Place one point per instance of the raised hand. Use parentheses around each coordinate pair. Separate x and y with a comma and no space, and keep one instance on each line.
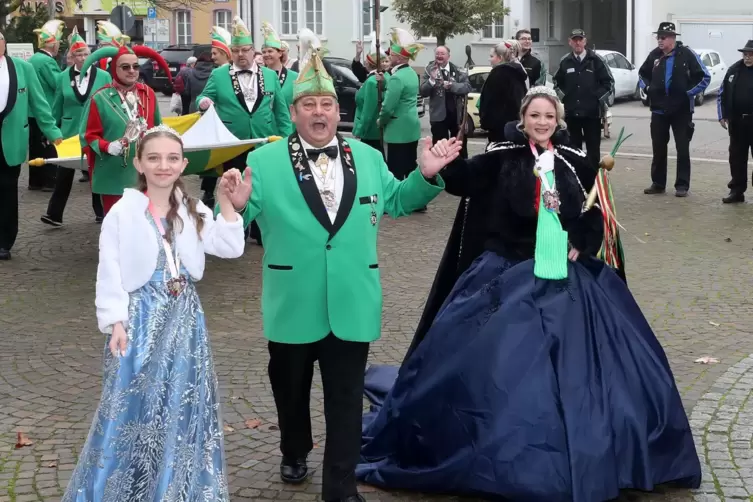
(434,158)
(237,189)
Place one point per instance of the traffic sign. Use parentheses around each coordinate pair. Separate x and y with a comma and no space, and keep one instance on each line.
(122,17)
(151,13)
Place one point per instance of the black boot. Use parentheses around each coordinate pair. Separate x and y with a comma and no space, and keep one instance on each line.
(654,189)
(294,471)
(734,197)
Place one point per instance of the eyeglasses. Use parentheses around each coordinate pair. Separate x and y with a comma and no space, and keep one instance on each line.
(129,67)
(525,39)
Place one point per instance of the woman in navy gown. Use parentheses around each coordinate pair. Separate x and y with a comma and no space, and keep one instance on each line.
(538,378)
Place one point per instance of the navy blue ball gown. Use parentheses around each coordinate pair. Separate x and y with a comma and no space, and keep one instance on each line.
(524,388)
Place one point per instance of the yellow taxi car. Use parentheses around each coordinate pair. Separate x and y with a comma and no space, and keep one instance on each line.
(476,77)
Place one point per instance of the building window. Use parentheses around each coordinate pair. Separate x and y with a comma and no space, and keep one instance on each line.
(223,19)
(314,16)
(495,30)
(289,17)
(367,18)
(183,23)
(551,20)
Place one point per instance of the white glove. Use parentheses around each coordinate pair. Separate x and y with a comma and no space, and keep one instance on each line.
(205,103)
(115,148)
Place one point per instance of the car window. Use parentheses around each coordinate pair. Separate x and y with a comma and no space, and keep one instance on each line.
(706,60)
(621,61)
(477,81)
(714,58)
(176,55)
(609,59)
(345,75)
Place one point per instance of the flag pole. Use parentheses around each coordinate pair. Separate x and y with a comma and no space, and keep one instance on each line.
(380,84)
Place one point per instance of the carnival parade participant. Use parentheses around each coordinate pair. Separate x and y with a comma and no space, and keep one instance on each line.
(365,126)
(72,92)
(158,365)
(248,99)
(548,380)
(47,69)
(115,117)
(399,115)
(15,109)
(221,40)
(318,199)
(272,50)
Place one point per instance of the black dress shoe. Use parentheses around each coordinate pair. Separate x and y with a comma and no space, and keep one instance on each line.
(294,471)
(48,220)
(4,254)
(654,189)
(84,177)
(681,192)
(350,498)
(733,198)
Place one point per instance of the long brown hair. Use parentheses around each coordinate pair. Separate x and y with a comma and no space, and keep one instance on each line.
(172,214)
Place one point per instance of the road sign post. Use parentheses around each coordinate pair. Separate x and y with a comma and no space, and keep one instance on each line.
(122,17)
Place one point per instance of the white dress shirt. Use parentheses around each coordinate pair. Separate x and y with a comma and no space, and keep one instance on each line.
(248,83)
(83,84)
(333,180)
(4,83)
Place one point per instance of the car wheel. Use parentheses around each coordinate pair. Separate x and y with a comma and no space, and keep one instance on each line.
(637,94)
(470,127)
(699,99)
(610,100)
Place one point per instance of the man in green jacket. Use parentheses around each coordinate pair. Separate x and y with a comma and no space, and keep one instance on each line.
(21,96)
(47,69)
(248,98)
(318,199)
(365,126)
(399,114)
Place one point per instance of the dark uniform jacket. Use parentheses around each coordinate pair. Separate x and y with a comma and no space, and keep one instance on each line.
(672,80)
(585,84)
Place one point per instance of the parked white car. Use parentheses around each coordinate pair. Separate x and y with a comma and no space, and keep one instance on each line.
(717,69)
(625,75)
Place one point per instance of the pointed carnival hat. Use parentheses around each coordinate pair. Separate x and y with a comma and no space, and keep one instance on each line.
(284,45)
(403,43)
(371,57)
(313,79)
(221,39)
(241,35)
(108,33)
(271,39)
(114,53)
(50,32)
(75,42)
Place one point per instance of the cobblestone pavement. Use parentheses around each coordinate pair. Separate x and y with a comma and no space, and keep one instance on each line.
(692,277)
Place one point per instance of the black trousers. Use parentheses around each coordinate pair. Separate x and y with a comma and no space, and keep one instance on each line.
(59,199)
(680,123)
(447,129)
(376,144)
(740,142)
(8,202)
(40,148)
(401,158)
(586,130)
(342,365)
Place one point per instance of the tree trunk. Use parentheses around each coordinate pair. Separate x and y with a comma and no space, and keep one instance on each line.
(441,38)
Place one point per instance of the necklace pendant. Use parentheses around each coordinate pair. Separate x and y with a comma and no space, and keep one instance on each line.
(176,286)
(551,200)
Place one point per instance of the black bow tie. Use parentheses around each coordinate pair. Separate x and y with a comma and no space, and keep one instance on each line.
(241,72)
(329,151)
(76,73)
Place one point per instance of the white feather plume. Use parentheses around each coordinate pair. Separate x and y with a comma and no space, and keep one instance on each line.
(309,43)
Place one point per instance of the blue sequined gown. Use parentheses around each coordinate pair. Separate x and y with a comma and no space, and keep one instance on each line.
(157,433)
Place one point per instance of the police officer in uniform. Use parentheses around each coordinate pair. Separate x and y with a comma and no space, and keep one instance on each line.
(734,106)
(585,82)
(672,75)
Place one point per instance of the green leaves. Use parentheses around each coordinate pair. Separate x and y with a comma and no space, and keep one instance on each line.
(447,18)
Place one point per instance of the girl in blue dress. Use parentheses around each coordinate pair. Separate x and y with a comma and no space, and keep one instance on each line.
(538,378)
(157,434)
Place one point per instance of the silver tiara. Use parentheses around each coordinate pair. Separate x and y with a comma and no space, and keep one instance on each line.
(161,128)
(542,89)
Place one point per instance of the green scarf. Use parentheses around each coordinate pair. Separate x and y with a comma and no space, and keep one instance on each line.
(550,255)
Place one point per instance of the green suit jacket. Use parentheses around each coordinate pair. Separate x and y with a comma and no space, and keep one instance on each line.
(399,115)
(69,103)
(287,80)
(321,277)
(367,109)
(47,71)
(25,99)
(270,116)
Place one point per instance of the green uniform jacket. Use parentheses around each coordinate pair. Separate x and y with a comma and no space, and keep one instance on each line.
(287,80)
(367,109)
(47,71)
(270,117)
(321,277)
(399,115)
(103,121)
(25,99)
(69,104)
